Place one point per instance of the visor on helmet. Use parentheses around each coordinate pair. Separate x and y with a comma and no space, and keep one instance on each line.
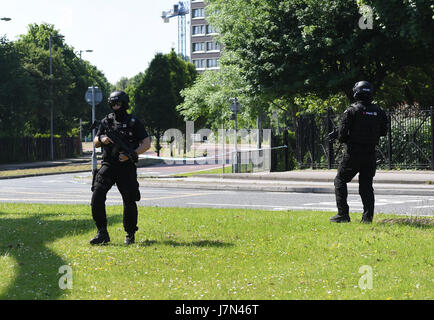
(114,102)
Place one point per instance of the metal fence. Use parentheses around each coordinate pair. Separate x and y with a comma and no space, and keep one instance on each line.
(28,149)
(408,145)
(249,161)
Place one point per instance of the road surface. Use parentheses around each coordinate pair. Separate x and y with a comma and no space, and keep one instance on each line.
(75,189)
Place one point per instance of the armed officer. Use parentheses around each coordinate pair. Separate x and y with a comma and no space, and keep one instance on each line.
(361,126)
(117,167)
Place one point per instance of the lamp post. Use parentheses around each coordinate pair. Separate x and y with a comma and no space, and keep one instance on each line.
(51,93)
(93,154)
(88,50)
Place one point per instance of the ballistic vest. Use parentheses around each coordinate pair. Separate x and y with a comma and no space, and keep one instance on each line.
(125,129)
(367,123)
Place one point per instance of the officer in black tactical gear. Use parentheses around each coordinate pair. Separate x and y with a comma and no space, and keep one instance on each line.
(362,125)
(117,168)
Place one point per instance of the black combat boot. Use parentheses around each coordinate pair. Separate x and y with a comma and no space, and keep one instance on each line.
(130,238)
(367,218)
(340,218)
(101,237)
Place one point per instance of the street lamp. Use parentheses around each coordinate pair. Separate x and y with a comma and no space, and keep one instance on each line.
(51,93)
(6,19)
(84,51)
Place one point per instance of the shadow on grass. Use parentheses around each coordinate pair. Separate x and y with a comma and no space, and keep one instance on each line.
(419,222)
(199,243)
(36,267)
(36,270)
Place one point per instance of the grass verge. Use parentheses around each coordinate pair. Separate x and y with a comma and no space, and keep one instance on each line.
(212,254)
(44,171)
(69,168)
(228,169)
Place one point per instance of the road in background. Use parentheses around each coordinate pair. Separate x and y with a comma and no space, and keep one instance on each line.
(75,189)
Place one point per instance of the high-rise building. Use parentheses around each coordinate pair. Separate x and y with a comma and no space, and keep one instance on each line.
(204,51)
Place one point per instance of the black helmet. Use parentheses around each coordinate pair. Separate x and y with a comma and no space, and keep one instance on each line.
(119,96)
(363,90)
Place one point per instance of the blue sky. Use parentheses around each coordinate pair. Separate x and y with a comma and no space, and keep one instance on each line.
(124,35)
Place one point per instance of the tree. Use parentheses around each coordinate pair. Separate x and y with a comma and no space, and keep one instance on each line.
(158,93)
(131,87)
(16,89)
(65,88)
(122,84)
(207,101)
(301,47)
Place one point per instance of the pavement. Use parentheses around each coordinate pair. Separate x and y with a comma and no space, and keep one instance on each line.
(408,182)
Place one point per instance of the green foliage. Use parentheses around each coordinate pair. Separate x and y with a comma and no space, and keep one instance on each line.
(45,135)
(311,104)
(28,91)
(17,89)
(283,58)
(158,92)
(207,101)
(293,47)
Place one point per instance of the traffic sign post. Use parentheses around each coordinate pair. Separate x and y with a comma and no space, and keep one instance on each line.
(93,97)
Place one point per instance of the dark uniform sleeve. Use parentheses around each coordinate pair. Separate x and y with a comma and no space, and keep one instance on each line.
(345,126)
(100,130)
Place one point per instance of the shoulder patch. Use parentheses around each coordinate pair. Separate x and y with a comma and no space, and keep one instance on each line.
(131,121)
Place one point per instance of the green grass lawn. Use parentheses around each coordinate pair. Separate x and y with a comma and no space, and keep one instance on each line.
(212,254)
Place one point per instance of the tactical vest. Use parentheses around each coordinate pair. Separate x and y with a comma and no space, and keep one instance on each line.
(125,129)
(366,125)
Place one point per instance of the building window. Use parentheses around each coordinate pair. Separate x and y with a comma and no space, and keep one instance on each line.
(198,13)
(212,63)
(210,29)
(212,46)
(200,63)
(199,29)
(198,46)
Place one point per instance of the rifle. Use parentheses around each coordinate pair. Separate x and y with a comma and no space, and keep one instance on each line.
(333,135)
(117,140)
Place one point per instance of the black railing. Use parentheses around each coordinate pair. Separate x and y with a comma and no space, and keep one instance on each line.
(28,149)
(408,144)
